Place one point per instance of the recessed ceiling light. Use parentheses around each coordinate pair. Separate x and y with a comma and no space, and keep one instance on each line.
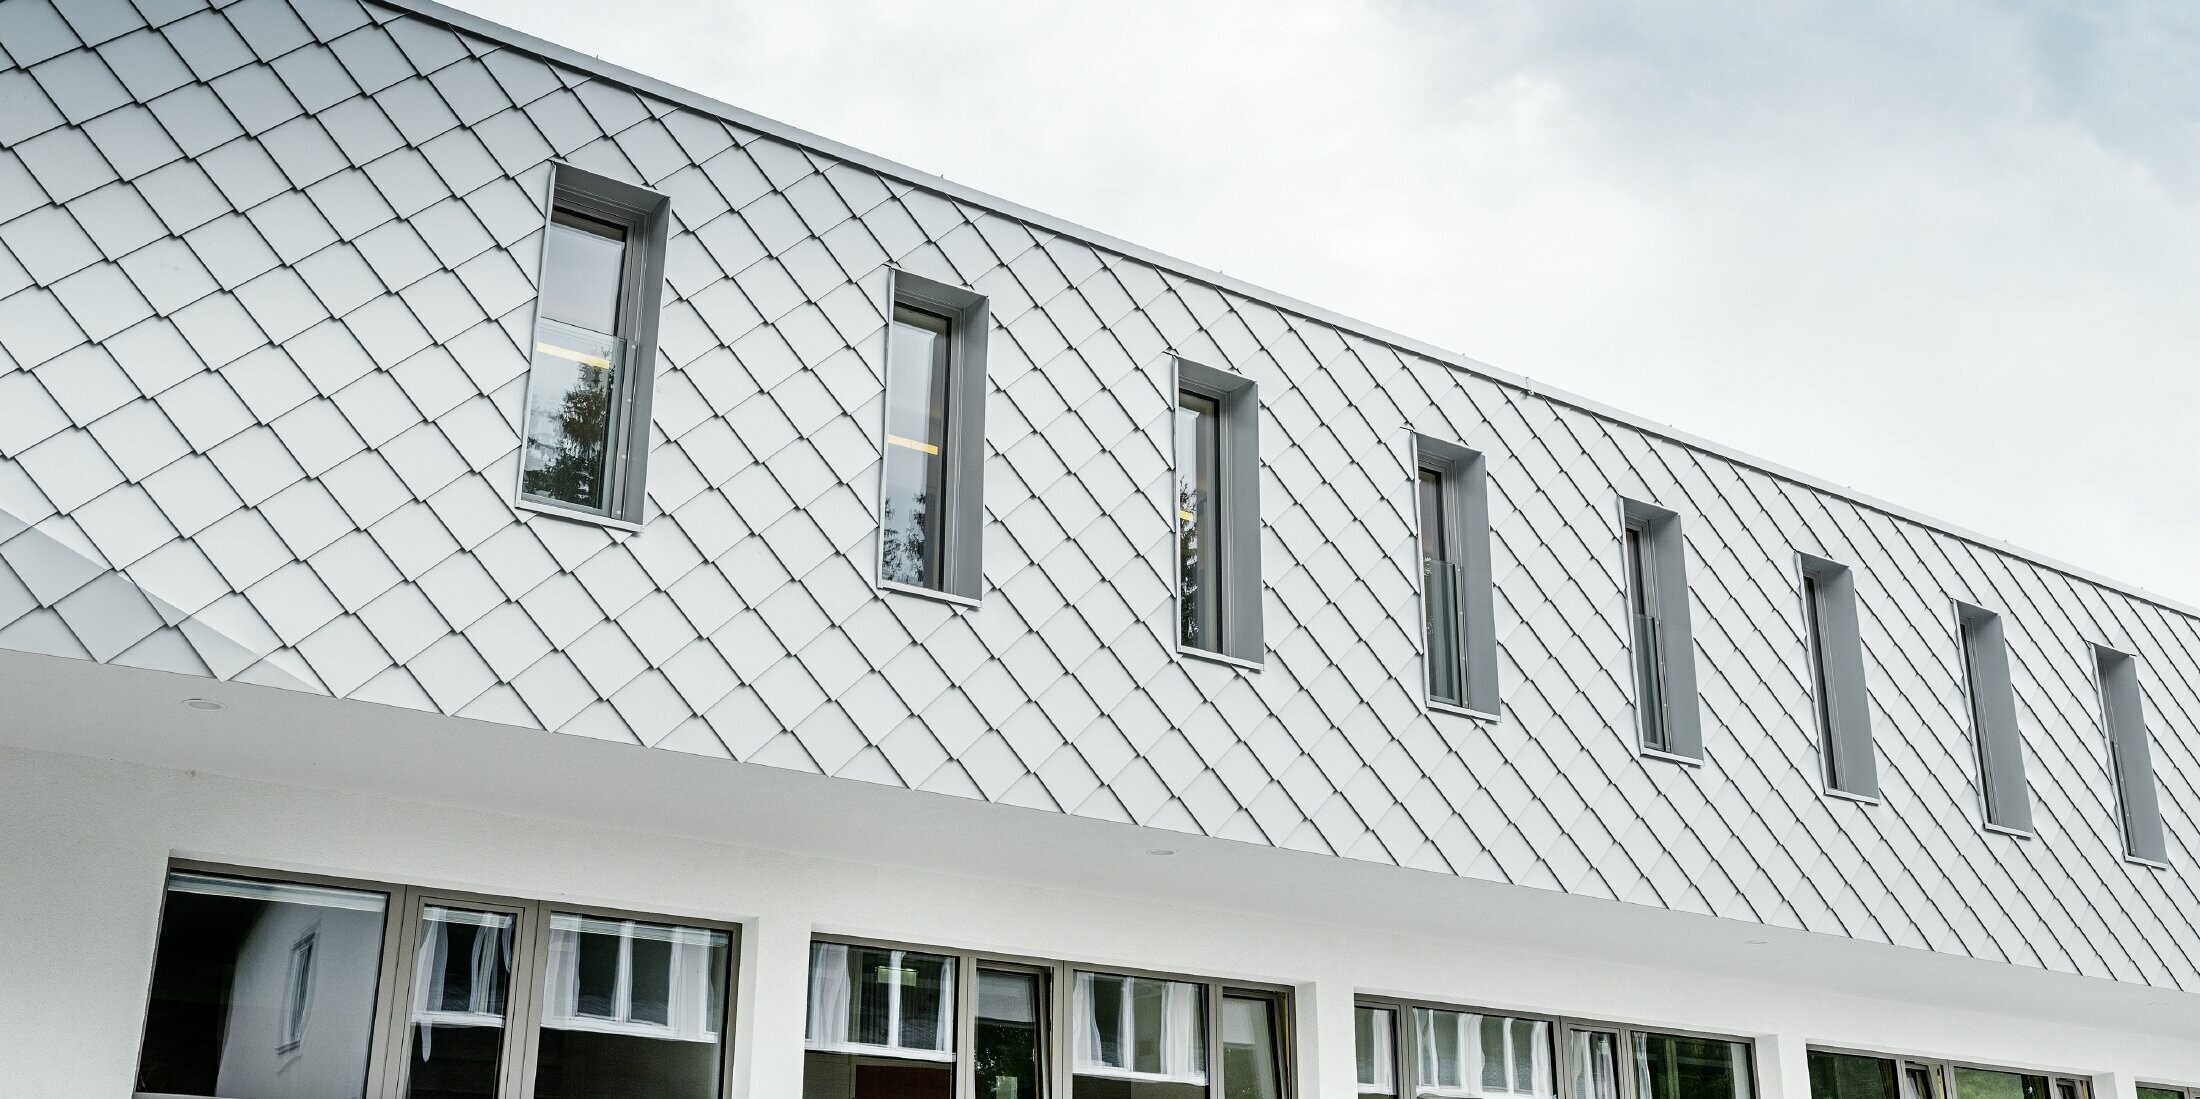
(202,704)
(1160,851)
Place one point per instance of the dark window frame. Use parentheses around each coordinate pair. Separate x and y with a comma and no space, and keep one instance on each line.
(646,217)
(1237,534)
(391,1036)
(960,523)
(1654,586)
(1463,526)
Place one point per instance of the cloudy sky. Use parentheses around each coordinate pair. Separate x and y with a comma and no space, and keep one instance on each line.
(1947,253)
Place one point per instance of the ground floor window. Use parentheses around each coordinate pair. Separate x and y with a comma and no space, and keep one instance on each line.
(271,988)
(1461,1053)
(1846,1074)
(895,1022)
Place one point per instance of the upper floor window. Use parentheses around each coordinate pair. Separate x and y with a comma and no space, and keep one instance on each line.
(1217,514)
(1995,737)
(256,981)
(1834,648)
(593,357)
(2130,755)
(1451,499)
(1661,642)
(932,492)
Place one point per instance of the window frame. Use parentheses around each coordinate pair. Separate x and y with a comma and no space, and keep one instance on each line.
(1840,697)
(1943,1070)
(390,1042)
(1239,581)
(1462,489)
(646,216)
(1664,594)
(1405,1070)
(2124,718)
(1990,717)
(969,324)
(1058,1010)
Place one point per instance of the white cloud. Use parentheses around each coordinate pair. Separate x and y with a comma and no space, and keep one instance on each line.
(1948,253)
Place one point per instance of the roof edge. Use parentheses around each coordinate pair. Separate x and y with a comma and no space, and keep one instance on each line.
(571,58)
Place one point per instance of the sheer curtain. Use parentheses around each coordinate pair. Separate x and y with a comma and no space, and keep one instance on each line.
(1375,1056)
(1179,1035)
(1456,1062)
(832,996)
(845,980)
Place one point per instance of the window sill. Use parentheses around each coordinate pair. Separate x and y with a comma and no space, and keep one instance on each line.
(1223,659)
(1672,757)
(552,510)
(1436,707)
(2140,860)
(1845,795)
(934,594)
(2005,830)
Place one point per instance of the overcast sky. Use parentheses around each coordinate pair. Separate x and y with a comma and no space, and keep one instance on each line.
(1947,253)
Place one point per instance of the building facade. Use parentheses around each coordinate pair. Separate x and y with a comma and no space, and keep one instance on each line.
(993,659)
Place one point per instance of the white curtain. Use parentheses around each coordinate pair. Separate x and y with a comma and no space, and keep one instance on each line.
(1181,1039)
(1375,1058)
(1455,1062)
(831,994)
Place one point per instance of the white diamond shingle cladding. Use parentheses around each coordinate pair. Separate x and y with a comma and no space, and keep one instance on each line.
(265,273)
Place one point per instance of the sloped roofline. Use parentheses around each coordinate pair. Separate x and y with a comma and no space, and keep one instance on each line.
(824,146)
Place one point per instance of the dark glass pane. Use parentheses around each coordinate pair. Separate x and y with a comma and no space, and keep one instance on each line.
(1670,1066)
(573,396)
(1979,1083)
(1431,488)
(262,990)
(461,975)
(914,507)
(1852,1076)
(1007,1041)
(877,1000)
(1249,1066)
(1461,1053)
(852,1076)
(1139,1037)
(608,1046)
(581,266)
(1198,457)
(2159,1093)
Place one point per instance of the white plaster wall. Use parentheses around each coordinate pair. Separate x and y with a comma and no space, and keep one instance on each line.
(83,846)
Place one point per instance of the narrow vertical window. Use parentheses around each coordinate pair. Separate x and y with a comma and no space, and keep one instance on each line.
(1993,711)
(1451,498)
(594,347)
(931,494)
(1661,645)
(1217,514)
(1375,1046)
(1834,650)
(1251,1047)
(2131,758)
(1009,1054)
(1198,533)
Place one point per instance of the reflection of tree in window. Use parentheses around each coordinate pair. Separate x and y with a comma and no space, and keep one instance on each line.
(1197,456)
(913,509)
(578,363)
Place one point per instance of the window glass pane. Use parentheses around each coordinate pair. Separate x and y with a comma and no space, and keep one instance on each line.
(1431,490)
(1198,522)
(1375,1045)
(883,1001)
(2146,1092)
(1671,1066)
(1593,1058)
(657,1028)
(262,990)
(573,398)
(462,971)
(914,508)
(1007,1042)
(1852,1076)
(1979,1083)
(581,264)
(1249,1067)
(1139,1038)
(1463,1054)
